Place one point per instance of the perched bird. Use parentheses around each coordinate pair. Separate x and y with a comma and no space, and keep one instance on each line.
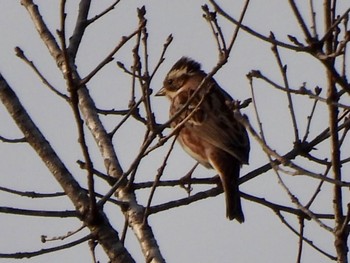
(208,130)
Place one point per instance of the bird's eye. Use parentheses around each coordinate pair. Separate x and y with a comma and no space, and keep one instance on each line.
(169,81)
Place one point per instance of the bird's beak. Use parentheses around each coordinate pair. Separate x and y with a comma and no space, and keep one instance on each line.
(161,92)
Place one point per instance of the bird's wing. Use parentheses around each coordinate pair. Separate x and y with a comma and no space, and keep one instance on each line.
(214,122)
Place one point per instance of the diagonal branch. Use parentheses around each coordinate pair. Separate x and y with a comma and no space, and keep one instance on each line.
(41,213)
(21,255)
(301,21)
(103,231)
(88,110)
(255,33)
(79,30)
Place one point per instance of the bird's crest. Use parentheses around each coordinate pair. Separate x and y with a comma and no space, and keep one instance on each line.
(184,66)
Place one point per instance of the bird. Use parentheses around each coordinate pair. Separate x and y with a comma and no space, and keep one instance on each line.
(207,129)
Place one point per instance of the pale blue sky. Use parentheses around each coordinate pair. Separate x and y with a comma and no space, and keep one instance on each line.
(196,233)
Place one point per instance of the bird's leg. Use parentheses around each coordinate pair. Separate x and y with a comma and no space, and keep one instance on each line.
(185,181)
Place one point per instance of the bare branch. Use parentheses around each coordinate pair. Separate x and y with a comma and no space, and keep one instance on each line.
(31,194)
(21,255)
(158,176)
(3,139)
(20,54)
(308,241)
(108,237)
(41,213)
(79,30)
(313,20)
(109,57)
(45,239)
(301,22)
(255,33)
(283,69)
(106,11)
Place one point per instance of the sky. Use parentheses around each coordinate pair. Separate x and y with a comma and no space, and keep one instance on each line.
(195,233)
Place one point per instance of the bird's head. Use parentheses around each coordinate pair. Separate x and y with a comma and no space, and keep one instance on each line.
(178,76)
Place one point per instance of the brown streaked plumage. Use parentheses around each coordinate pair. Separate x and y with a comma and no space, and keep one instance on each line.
(211,135)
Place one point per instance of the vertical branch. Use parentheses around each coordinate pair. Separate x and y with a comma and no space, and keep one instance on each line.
(223,49)
(104,232)
(301,239)
(250,77)
(346,29)
(156,181)
(145,81)
(313,20)
(74,102)
(79,30)
(283,69)
(161,59)
(333,10)
(332,96)
(238,27)
(210,17)
(333,115)
(309,119)
(301,21)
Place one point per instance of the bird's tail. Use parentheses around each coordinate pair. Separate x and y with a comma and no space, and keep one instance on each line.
(233,205)
(229,181)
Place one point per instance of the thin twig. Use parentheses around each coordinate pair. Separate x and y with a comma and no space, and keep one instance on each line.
(31,194)
(301,22)
(39,213)
(109,57)
(162,58)
(158,176)
(211,18)
(254,32)
(309,119)
(334,25)
(295,200)
(74,99)
(3,139)
(20,54)
(79,30)
(313,19)
(103,13)
(279,159)
(145,81)
(301,91)
(308,241)
(318,189)
(283,70)
(45,239)
(21,255)
(92,245)
(301,238)
(131,112)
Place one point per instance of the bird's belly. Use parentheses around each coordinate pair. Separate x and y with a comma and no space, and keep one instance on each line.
(194,146)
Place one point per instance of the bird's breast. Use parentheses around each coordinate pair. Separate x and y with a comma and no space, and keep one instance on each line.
(194,146)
